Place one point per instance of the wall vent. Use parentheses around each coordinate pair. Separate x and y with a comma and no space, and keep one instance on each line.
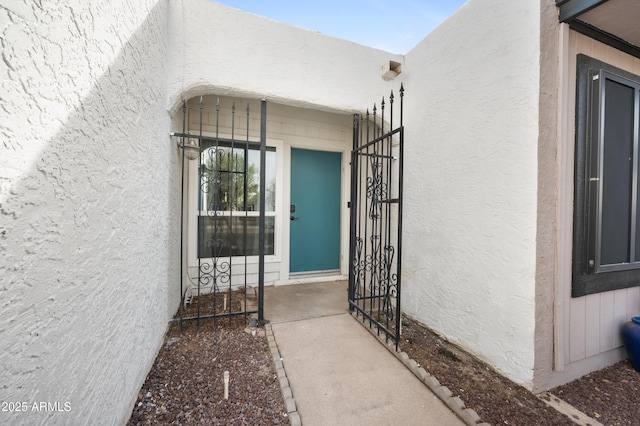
(391,71)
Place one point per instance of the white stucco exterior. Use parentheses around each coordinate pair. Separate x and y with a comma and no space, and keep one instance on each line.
(280,63)
(471,180)
(89,184)
(90,180)
(312,83)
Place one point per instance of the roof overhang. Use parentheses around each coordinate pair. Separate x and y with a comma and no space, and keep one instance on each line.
(614,22)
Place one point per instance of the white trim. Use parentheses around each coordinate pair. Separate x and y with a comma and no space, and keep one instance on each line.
(192,208)
(321,273)
(344,212)
(312,279)
(286,228)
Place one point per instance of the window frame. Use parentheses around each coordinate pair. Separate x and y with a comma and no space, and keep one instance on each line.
(589,275)
(230,215)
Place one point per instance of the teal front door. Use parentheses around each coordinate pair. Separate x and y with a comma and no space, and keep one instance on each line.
(315,210)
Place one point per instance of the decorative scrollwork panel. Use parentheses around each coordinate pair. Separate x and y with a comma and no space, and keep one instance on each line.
(376,219)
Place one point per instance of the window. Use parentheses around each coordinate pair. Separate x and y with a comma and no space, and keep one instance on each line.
(229,199)
(606,214)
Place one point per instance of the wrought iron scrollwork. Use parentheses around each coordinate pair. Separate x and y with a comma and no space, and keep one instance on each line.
(376,219)
(358,267)
(215,272)
(376,189)
(210,179)
(219,291)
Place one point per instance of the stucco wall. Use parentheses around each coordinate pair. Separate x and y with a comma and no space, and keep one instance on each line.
(246,55)
(471,181)
(548,172)
(89,182)
(89,196)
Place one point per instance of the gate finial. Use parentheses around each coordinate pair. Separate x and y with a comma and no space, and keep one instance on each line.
(376,221)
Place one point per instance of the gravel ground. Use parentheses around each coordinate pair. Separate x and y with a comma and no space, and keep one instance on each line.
(185,384)
(611,396)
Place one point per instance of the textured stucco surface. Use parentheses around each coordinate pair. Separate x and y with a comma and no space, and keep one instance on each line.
(250,56)
(89,206)
(471,181)
(548,176)
(90,182)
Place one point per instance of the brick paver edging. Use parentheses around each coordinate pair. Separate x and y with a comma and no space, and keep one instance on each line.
(287,395)
(467,415)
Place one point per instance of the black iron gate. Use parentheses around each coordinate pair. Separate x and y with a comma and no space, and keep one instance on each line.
(375,248)
(230,217)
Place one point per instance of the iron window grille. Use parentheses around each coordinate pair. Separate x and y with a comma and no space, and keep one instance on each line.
(228,199)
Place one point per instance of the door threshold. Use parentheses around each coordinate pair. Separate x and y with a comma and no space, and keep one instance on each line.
(332,272)
(313,277)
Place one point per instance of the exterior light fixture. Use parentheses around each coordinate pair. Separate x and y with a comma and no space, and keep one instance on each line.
(191,148)
(189,144)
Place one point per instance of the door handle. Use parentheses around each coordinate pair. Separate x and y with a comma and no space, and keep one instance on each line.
(293,218)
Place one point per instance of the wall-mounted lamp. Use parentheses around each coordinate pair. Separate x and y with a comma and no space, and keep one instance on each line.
(191,148)
(189,144)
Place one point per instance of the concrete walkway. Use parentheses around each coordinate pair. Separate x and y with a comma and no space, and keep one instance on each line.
(338,372)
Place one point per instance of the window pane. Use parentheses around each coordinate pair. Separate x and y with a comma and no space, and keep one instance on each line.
(617,173)
(221,178)
(223,174)
(224,236)
(253,180)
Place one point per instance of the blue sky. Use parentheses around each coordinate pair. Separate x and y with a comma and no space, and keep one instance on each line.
(392,25)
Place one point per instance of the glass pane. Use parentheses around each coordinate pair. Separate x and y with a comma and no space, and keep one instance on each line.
(222,178)
(253,180)
(617,173)
(224,236)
